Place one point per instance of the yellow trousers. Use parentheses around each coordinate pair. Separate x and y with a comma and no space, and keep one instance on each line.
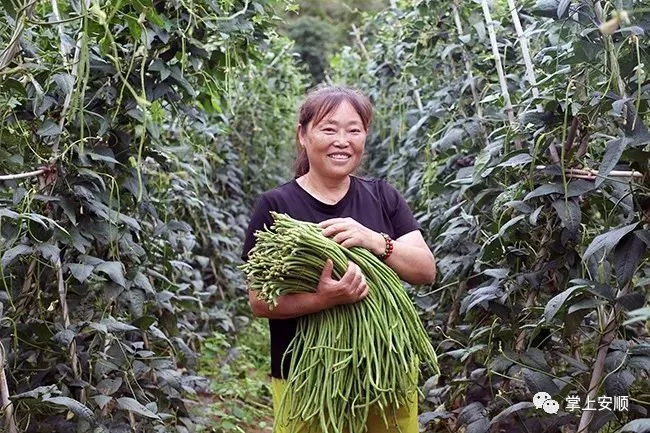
(406,417)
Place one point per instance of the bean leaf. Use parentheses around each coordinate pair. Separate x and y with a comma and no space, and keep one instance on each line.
(132,405)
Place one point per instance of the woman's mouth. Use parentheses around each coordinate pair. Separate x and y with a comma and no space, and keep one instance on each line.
(339,156)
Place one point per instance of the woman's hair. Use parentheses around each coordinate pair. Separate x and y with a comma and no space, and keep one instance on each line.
(319,103)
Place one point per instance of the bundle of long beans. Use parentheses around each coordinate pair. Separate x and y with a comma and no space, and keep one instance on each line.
(344,359)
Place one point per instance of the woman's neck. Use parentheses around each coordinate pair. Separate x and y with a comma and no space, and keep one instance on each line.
(328,190)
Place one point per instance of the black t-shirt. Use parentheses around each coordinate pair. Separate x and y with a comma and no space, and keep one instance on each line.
(372,202)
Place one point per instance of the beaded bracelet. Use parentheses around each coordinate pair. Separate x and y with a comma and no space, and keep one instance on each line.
(388,250)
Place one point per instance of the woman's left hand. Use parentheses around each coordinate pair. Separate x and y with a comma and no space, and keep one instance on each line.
(349,233)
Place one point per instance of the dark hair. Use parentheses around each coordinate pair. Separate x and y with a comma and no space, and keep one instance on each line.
(319,103)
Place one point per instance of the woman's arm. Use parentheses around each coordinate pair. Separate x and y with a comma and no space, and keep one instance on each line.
(289,306)
(411,259)
(352,287)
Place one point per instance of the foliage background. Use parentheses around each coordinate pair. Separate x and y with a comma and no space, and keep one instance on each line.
(151,127)
(145,129)
(537,268)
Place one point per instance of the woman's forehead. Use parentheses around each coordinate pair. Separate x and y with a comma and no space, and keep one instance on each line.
(343,113)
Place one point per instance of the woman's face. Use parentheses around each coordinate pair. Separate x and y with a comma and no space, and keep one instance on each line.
(335,145)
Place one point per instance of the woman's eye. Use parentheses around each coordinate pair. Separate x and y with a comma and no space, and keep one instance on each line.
(329,130)
(355,131)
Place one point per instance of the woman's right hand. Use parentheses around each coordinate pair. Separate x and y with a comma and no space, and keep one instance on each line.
(352,286)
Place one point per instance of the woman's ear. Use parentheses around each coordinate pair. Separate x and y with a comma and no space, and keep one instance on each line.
(300,134)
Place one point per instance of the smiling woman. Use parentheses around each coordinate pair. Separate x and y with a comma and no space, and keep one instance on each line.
(332,127)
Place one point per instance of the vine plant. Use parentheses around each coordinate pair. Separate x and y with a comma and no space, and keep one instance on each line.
(122,206)
(539,219)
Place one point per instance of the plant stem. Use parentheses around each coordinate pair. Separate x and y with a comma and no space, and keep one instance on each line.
(357,38)
(598,369)
(66,323)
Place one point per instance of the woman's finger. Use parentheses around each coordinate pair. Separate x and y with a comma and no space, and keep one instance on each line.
(350,242)
(342,236)
(329,222)
(365,292)
(349,275)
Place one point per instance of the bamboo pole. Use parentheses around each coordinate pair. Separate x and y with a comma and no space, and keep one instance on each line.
(590,173)
(22,175)
(499,66)
(7,405)
(468,64)
(525,52)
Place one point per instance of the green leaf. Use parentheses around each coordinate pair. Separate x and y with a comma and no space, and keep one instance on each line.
(538,382)
(114,270)
(73,405)
(113,325)
(632,301)
(640,315)
(145,322)
(586,304)
(619,383)
(546,189)
(50,252)
(637,426)
(578,187)
(10,255)
(48,129)
(512,409)
(80,271)
(132,405)
(64,82)
(134,27)
(109,386)
(612,155)
(102,400)
(555,304)
(639,363)
(517,160)
(627,256)
(4,212)
(142,282)
(607,240)
(562,7)
(547,8)
(570,214)
(510,223)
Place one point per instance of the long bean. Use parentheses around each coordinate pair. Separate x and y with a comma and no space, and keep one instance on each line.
(347,359)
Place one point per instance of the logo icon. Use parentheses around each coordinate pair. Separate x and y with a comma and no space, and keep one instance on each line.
(542,400)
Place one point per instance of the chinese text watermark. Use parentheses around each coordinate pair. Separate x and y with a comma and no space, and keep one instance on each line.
(543,400)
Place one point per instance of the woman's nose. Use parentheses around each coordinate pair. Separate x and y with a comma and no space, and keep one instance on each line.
(341,138)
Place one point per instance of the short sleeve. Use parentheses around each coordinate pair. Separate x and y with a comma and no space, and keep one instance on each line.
(401,216)
(260,218)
